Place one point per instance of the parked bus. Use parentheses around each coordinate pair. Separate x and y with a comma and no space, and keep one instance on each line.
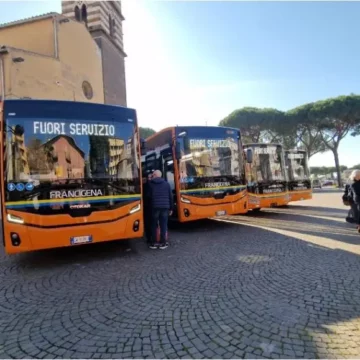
(205,168)
(266,176)
(298,172)
(71,174)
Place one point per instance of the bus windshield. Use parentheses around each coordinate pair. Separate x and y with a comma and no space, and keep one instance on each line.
(47,158)
(267,163)
(296,163)
(210,152)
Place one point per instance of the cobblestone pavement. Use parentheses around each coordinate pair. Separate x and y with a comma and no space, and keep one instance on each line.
(282,284)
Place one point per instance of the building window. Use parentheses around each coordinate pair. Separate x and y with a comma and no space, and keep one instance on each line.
(77,14)
(81,15)
(112,26)
(84,14)
(87,90)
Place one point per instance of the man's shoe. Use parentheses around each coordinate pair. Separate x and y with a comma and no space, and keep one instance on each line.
(163,246)
(153,247)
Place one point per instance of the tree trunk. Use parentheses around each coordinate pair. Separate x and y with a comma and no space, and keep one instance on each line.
(337,165)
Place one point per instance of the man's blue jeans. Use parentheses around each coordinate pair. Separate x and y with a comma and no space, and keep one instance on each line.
(160,216)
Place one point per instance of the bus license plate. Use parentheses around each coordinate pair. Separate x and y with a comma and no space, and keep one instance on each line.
(221,213)
(80,240)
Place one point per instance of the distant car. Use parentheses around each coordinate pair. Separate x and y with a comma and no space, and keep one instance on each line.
(316,184)
(328,183)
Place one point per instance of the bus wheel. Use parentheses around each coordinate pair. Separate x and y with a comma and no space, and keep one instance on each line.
(256,210)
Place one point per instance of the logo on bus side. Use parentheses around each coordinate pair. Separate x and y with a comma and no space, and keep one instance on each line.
(273,189)
(80,206)
(64,194)
(217,184)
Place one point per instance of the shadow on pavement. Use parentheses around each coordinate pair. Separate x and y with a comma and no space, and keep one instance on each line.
(322,222)
(53,258)
(313,211)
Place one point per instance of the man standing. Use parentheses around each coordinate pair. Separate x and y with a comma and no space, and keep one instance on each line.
(161,204)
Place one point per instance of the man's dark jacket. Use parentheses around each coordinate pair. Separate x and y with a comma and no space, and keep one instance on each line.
(160,194)
(355,190)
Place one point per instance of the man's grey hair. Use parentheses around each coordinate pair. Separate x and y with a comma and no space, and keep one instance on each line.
(157,173)
(355,175)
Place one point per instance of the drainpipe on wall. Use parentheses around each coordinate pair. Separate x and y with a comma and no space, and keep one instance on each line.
(2,75)
(3,51)
(55,38)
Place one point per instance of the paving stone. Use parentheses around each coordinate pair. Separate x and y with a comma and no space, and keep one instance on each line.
(214,299)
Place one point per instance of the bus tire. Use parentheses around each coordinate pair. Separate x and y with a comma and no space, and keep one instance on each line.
(256,210)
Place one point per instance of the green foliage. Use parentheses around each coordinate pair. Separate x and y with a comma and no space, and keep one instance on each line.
(335,118)
(325,170)
(308,135)
(316,127)
(256,125)
(146,132)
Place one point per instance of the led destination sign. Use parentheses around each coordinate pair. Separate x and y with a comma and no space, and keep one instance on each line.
(295,156)
(266,150)
(62,128)
(208,143)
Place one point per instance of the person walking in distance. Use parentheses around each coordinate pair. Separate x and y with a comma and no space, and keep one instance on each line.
(355,191)
(147,209)
(162,205)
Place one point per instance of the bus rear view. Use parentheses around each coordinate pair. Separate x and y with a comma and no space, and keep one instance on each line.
(298,171)
(71,174)
(266,176)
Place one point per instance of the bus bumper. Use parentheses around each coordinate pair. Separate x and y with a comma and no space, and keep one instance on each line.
(192,212)
(259,201)
(30,238)
(300,195)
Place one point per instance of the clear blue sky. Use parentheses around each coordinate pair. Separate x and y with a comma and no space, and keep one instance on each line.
(198,61)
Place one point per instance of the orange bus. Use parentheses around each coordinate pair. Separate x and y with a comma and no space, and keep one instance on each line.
(204,167)
(298,172)
(266,176)
(72,174)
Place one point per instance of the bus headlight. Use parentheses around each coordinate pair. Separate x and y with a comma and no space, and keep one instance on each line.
(14,219)
(184,200)
(135,209)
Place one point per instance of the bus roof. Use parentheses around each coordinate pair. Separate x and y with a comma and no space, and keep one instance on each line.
(189,126)
(65,109)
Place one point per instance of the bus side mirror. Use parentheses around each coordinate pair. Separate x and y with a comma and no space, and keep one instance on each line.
(177,151)
(142,147)
(249,156)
